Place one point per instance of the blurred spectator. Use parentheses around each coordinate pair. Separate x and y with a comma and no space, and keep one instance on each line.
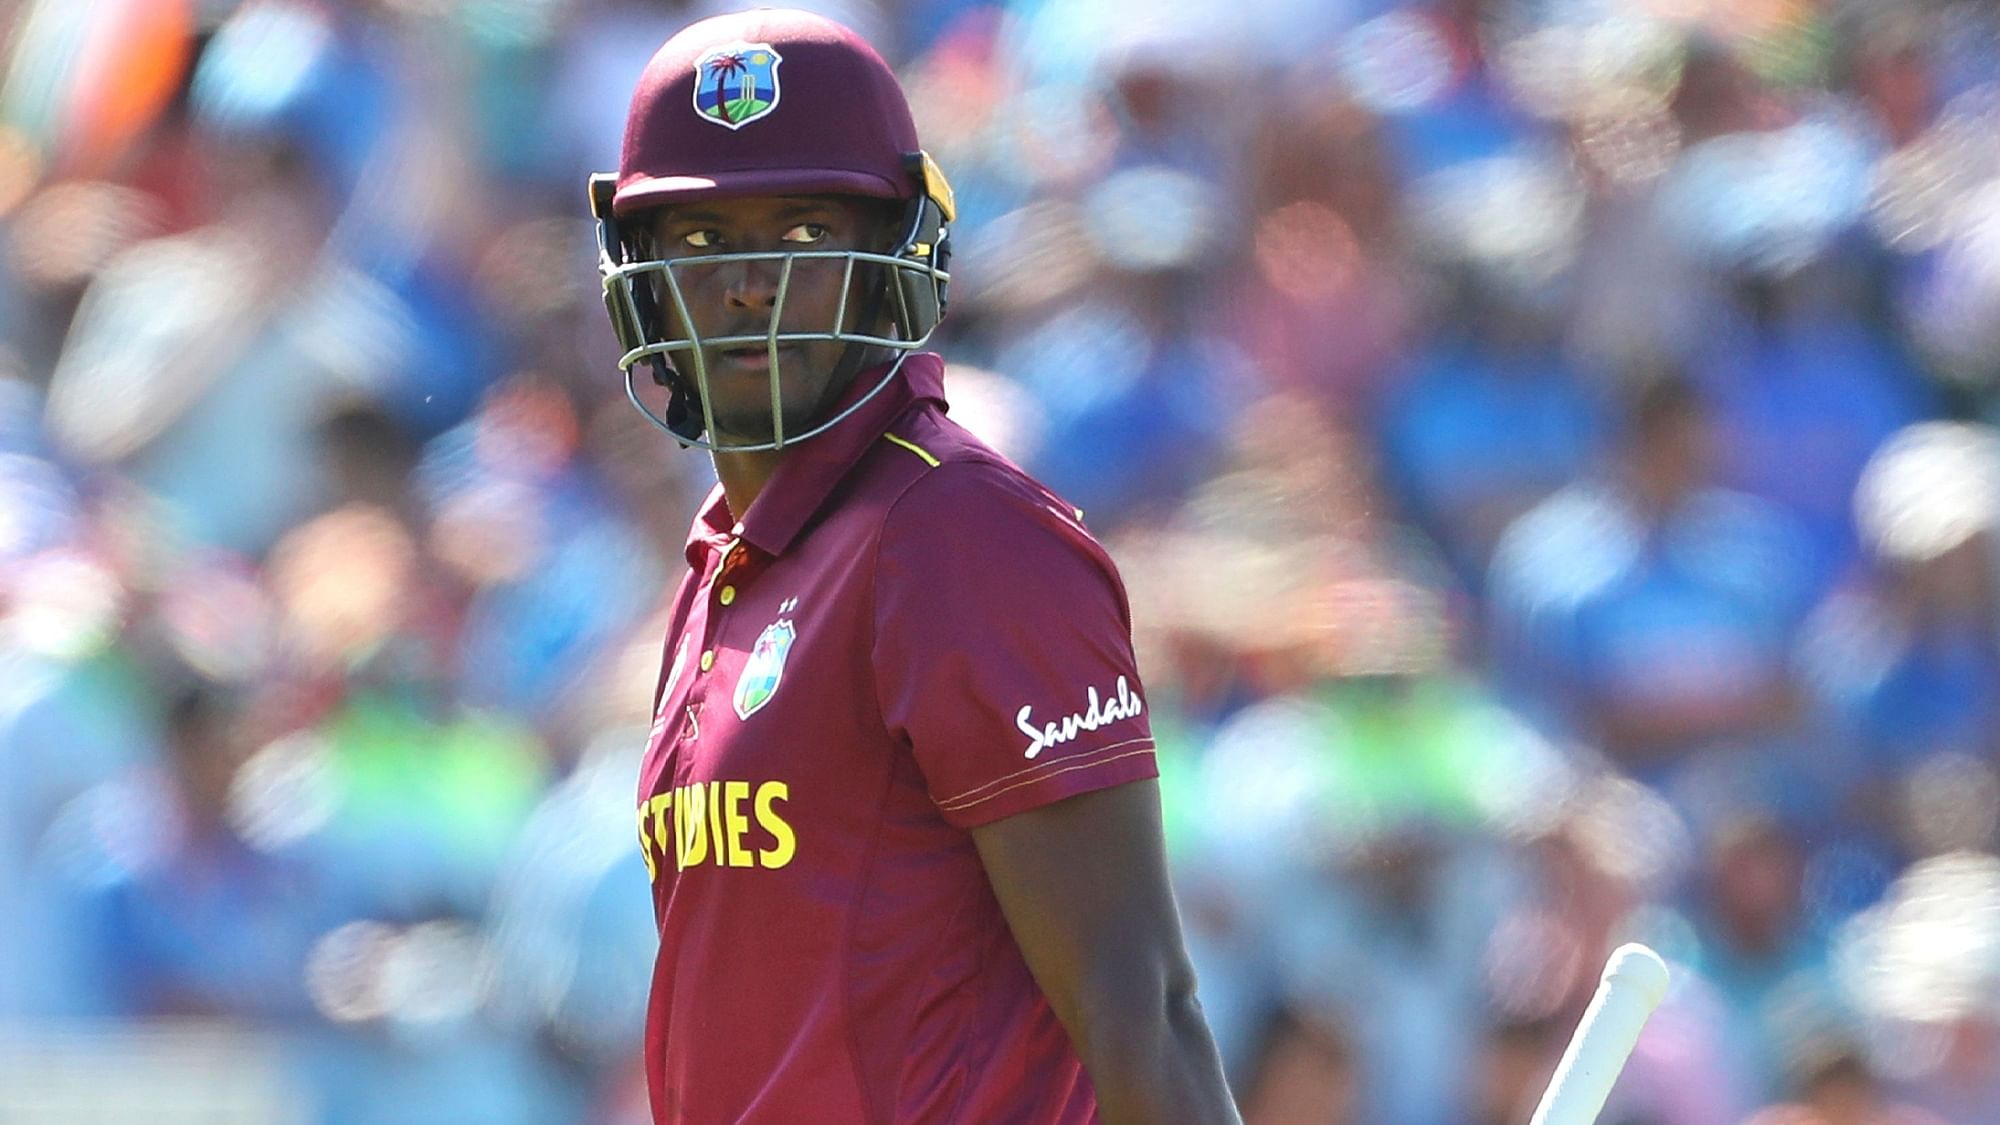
(369,458)
(75,713)
(1597,862)
(1837,1086)
(196,920)
(1907,657)
(196,363)
(571,931)
(1759,946)
(1491,422)
(1650,614)
(1805,397)
(1919,971)
(1342,865)
(552,571)
(1133,382)
(1320,300)
(1888,62)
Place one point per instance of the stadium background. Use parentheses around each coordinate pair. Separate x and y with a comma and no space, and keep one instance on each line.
(1548,443)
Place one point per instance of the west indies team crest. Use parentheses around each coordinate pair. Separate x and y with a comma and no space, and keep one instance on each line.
(766,666)
(737,83)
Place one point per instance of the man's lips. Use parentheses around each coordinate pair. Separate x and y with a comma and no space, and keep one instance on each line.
(752,358)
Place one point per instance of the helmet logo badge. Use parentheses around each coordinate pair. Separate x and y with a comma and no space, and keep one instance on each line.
(736,83)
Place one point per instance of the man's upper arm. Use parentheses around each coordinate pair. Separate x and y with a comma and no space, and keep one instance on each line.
(1083,883)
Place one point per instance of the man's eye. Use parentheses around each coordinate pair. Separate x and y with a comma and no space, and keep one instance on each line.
(701,239)
(806,232)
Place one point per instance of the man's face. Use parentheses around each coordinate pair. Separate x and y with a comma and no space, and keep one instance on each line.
(740,299)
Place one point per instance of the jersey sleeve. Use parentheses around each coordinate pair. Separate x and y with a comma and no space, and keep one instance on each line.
(1003,647)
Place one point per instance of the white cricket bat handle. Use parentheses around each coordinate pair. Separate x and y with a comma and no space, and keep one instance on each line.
(1634,983)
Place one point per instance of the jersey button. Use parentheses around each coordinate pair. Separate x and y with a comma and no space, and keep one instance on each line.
(728,595)
(708,660)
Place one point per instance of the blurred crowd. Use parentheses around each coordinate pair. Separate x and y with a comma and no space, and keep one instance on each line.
(1550,445)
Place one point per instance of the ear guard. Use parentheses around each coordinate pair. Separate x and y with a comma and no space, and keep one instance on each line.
(631,307)
(921,296)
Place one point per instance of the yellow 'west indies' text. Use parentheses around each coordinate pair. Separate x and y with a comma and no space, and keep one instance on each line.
(709,822)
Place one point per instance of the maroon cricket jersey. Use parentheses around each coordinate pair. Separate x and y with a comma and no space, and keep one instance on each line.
(905,638)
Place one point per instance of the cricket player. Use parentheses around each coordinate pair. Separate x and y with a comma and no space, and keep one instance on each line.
(898,805)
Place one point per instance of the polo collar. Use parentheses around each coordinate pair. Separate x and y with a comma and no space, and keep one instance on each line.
(712,528)
(811,469)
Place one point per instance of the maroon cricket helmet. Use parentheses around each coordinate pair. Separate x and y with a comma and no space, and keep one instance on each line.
(766,102)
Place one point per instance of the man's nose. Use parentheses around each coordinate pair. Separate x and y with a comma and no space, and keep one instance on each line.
(752,285)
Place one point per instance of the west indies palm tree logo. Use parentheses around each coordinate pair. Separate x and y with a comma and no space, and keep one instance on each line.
(737,83)
(766,667)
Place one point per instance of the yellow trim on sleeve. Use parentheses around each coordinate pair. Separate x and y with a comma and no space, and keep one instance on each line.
(1075,761)
(961,806)
(916,449)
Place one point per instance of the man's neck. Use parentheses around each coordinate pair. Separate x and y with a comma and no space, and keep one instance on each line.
(744,475)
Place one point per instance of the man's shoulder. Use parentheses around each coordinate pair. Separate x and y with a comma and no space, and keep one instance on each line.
(935,438)
(951,473)
(968,532)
